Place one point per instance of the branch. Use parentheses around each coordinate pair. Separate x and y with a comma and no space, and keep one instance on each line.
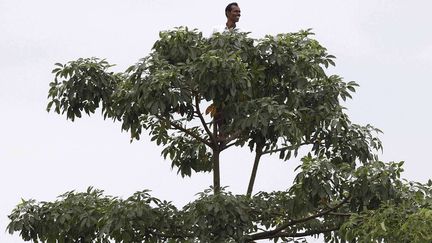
(171,236)
(198,111)
(185,130)
(228,145)
(273,233)
(341,214)
(307,233)
(229,139)
(284,148)
(232,137)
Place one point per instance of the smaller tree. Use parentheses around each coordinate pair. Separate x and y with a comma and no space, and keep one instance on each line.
(198,97)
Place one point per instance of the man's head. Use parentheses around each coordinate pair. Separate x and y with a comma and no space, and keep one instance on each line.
(232,12)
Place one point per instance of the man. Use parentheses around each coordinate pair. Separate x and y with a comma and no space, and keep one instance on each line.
(232,12)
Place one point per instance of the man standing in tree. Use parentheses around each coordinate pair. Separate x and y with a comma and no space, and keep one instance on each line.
(232,12)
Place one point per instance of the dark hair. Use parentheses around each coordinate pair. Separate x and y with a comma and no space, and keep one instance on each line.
(228,7)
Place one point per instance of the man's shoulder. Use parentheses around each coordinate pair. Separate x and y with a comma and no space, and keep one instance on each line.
(219,29)
(223,28)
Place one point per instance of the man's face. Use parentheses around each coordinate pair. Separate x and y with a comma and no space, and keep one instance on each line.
(234,14)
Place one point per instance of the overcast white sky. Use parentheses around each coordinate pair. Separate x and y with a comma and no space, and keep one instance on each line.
(384,45)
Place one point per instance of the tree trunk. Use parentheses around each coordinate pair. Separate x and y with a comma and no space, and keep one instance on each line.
(216,153)
(254,170)
(216,171)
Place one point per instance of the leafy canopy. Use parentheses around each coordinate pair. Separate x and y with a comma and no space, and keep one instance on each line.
(198,97)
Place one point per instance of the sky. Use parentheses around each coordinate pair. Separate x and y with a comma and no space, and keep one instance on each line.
(383,45)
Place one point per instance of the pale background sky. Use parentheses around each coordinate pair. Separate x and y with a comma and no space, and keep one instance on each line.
(384,45)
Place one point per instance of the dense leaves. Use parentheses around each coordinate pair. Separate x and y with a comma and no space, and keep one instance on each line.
(272,92)
(199,96)
(407,218)
(309,207)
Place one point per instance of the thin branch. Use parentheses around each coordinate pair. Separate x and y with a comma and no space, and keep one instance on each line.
(341,214)
(229,139)
(185,130)
(232,137)
(284,148)
(307,233)
(203,122)
(272,233)
(228,145)
(172,236)
(277,150)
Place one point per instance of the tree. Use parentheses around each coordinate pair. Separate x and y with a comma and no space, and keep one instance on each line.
(200,96)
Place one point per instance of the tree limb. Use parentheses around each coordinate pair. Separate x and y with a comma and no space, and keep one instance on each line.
(258,153)
(232,137)
(307,233)
(284,148)
(171,236)
(200,116)
(228,145)
(229,139)
(341,214)
(273,233)
(185,130)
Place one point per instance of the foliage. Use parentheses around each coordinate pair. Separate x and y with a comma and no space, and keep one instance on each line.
(407,219)
(199,96)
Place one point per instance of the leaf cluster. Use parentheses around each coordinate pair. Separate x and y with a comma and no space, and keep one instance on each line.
(271,93)
(323,198)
